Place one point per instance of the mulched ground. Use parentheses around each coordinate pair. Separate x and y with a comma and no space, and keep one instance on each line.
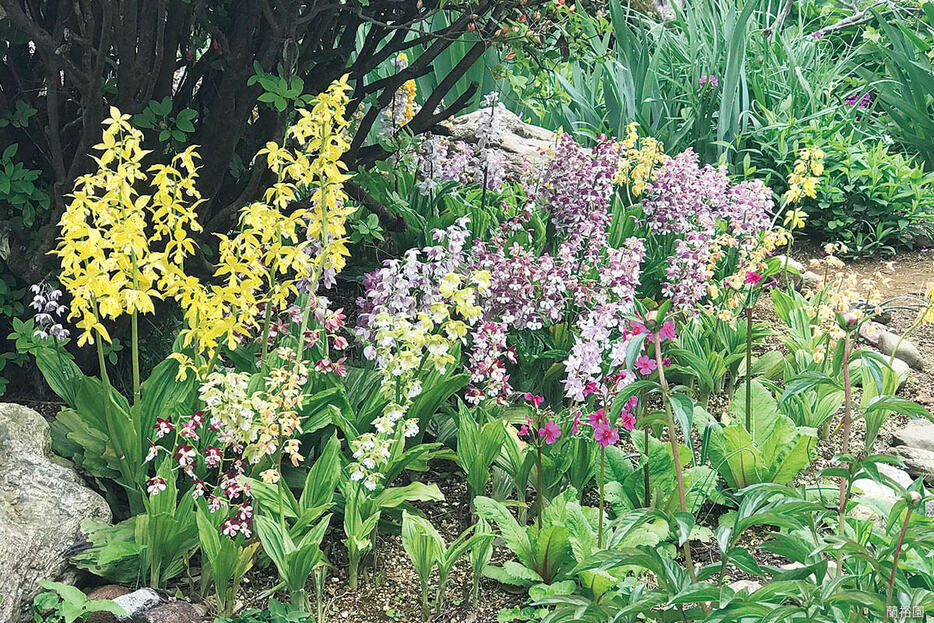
(389,590)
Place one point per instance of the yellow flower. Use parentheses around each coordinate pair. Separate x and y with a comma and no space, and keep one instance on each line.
(795,218)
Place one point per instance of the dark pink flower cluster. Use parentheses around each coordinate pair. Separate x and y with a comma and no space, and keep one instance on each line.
(194,452)
(576,189)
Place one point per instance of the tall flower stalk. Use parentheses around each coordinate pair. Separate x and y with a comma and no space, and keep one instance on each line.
(675,455)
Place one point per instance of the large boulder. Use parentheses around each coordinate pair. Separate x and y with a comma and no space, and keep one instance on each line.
(42,505)
(519,142)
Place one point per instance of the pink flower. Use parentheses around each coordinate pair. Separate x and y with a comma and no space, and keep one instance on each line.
(590,388)
(753,277)
(335,321)
(667,332)
(597,417)
(604,435)
(230,527)
(549,432)
(213,456)
(155,485)
(627,420)
(576,422)
(535,400)
(645,365)
(163,428)
(185,455)
(339,342)
(632,402)
(702,80)
(523,430)
(713,81)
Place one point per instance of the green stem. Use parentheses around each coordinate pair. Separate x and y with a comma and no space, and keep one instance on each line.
(898,550)
(541,493)
(675,454)
(844,446)
(749,369)
(602,476)
(134,336)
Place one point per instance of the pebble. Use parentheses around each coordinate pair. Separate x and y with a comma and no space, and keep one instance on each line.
(907,351)
(137,602)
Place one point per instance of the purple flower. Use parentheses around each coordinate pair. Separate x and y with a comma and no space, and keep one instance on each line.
(645,365)
(549,432)
(604,435)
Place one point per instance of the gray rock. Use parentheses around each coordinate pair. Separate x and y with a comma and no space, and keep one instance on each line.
(750,585)
(916,434)
(792,264)
(812,279)
(907,351)
(918,462)
(135,604)
(42,505)
(871,495)
(520,142)
(870,332)
(173,612)
(900,368)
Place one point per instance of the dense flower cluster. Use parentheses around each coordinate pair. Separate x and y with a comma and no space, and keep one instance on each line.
(601,340)
(802,182)
(441,158)
(50,311)
(576,189)
(403,107)
(640,159)
(413,315)
(119,248)
(269,258)
(690,202)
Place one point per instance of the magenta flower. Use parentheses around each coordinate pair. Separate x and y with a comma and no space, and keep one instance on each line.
(535,400)
(702,80)
(667,332)
(596,417)
(627,420)
(713,81)
(753,277)
(817,34)
(549,432)
(213,456)
(604,435)
(576,423)
(523,430)
(645,365)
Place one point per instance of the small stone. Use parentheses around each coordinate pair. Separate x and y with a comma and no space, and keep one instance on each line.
(916,434)
(750,585)
(907,351)
(918,462)
(137,602)
(812,279)
(110,591)
(871,332)
(172,612)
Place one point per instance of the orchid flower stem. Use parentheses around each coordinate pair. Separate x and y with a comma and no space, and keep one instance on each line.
(134,336)
(675,455)
(749,370)
(541,492)
(898,550)
(602,480)
(844,445)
